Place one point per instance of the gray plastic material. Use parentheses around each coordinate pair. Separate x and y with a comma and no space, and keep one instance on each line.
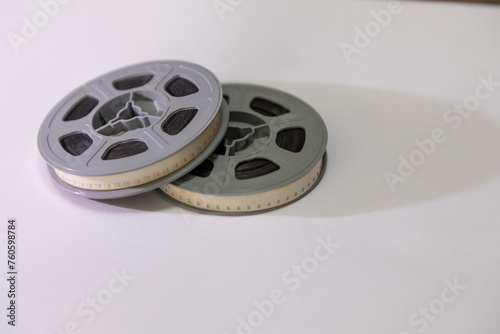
(253,136)
(110,123)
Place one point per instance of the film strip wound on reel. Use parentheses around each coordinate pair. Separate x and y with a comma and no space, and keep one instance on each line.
(271,155)
(132,126)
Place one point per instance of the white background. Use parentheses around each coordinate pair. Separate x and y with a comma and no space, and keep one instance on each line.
(198,274)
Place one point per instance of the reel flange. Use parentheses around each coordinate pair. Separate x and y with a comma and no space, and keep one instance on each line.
(272,154)
(134,129)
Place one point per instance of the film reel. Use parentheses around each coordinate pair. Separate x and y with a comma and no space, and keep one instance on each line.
(273,153)
(133,129)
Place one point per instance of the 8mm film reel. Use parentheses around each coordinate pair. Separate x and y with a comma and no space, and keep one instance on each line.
(273,153)
(134,129)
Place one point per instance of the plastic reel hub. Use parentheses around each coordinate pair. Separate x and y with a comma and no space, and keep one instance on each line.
(272,154)
(133,129)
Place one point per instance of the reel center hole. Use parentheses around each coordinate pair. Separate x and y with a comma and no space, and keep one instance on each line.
(129,112)
(246,133)
(235,134)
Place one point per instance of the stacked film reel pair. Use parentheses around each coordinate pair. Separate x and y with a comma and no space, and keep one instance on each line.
(171,127)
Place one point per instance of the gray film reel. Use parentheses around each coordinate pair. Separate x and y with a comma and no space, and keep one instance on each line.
(133,129)
(272,154)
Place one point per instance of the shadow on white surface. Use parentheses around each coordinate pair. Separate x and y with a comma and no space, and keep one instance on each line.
(369,129)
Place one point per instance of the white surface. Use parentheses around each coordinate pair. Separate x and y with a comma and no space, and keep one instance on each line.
(196,273)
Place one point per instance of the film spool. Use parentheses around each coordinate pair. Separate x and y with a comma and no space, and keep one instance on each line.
(273,153)
(134,129)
